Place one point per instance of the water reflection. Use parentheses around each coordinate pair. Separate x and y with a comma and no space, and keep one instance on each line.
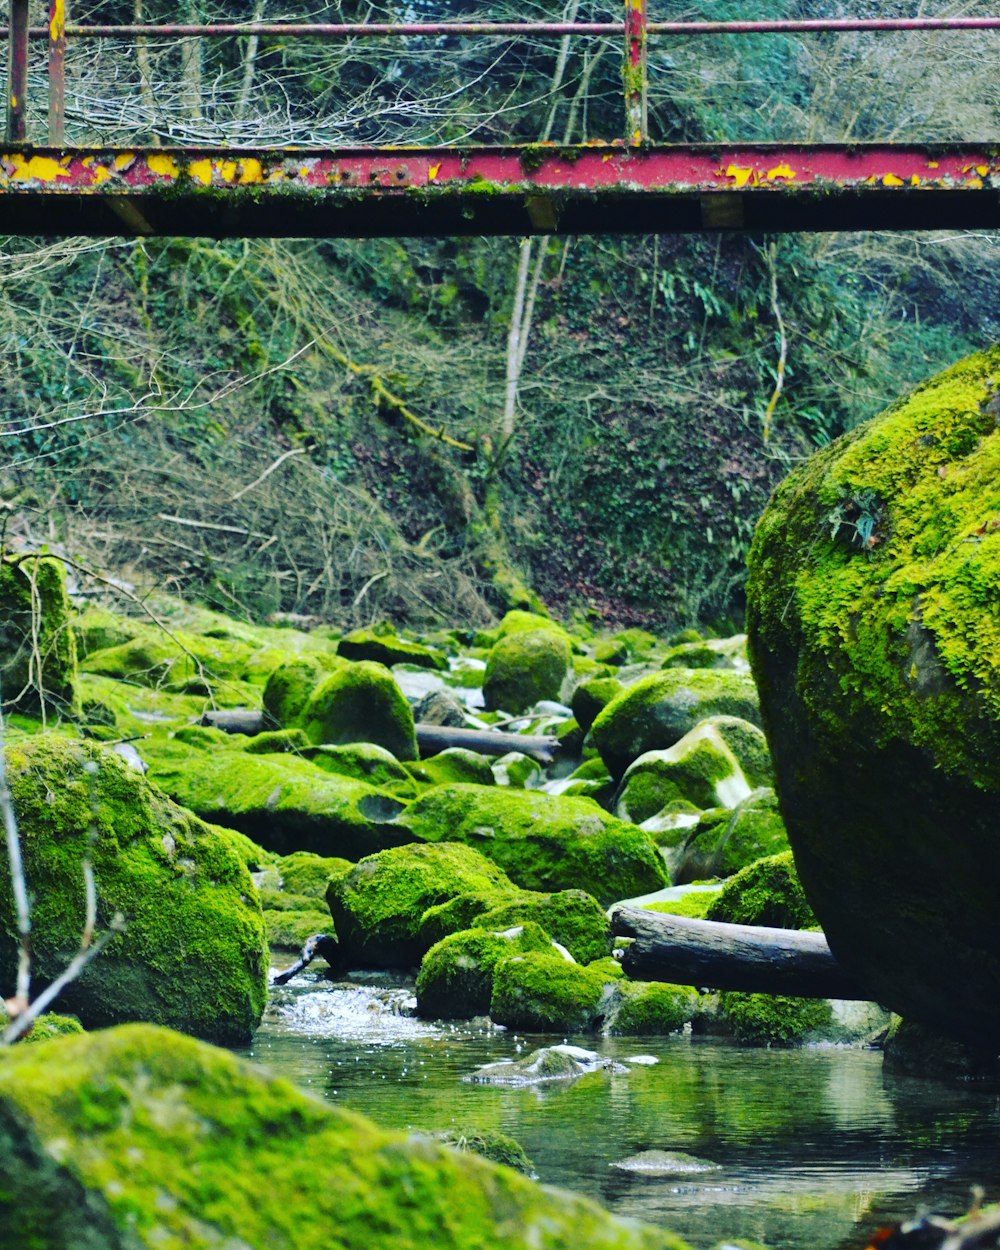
(814,1147)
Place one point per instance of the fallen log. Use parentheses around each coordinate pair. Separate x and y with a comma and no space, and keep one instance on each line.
(430,738)
(719,956)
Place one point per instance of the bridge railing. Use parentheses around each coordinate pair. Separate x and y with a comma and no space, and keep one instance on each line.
(634,30)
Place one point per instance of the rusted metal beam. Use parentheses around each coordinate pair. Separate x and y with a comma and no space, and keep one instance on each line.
(635,71)
(543,188)
(17,72)
(57,72)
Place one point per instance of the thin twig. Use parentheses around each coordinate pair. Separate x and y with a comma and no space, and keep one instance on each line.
(19,885)
(295,451)
(771,258)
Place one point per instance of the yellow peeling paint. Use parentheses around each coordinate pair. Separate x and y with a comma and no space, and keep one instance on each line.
(741,173)
(36,169)
(780,171)
(57,25)
(933,164)
(251,170)
(165,166)
(915,180)
(227,170)
(201,171)
(125,160)
(434,170)
(892,180)
(975,183)
(101,174)
(982,170)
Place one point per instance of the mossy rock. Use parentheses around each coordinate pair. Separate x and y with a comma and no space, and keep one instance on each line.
(255,857)
(519,621)
(289,687)
(365,761)
(137,1137)
(543,842)
(389,649)
(278,742)
(872,617)
(650,1008)
(453,764)
(455,981)
(709,653)
(572,918)
(48,1025)
(517,770)
(590,698)
(290,930)
(280,801)
(280,900)
(544,993)
(378,907)
(766,892)
(497,1147)
(463,912)
(660,709)
(96,629)
(361,703)
(524,668)
(725,840)
(773,1019)
(612,651)
(304,872)
(695,903)
(192,955)
(177,661)
(38,668)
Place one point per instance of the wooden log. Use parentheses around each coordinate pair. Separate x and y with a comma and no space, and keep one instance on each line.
(707,953)
(430,738)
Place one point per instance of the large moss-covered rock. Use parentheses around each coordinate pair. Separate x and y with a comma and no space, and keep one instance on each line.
(573,918)
(542,841)
(137,1138)
(872,616)
(725,840)
(284,803)
(193,954)
(378,906)
(361,703)
(455,980)
(774,1019)
(37,645)
(659,710)
(365,761)
(388,648)
(176,661)
(525,667)
(649,1008)
(545,993)
(766,892)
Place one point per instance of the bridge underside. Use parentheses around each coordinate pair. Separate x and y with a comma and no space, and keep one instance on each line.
(540,189)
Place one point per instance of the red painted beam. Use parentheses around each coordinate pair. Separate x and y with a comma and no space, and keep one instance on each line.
(538,189)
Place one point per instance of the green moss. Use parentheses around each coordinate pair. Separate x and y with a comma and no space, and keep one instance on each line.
(453,764)
(773,1020)
(278,742)
(517,770)
(97,628)
(659,710)
(368,762)
(163,1141)
(462,912)
(280,801)
(193,952)
(289,686)
(525,667)
(361,703)
(590,698)
(38,669)
(695,903)
(249,853)
(388,649)
(497,1147)
(303,872)
(544,993)
(651,1008)
(543,842)
(178,661)
(612,651)
(766,892)
(456,975)
(573,918)
(290,930)
(724,841)
(378,907)
(48,1025)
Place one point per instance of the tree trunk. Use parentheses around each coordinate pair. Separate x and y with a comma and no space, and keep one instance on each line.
(719,956)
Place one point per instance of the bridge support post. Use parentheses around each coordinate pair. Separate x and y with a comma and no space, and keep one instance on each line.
(17,72)
(636,72)
(57,72)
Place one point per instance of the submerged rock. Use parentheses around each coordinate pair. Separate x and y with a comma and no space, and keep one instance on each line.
(872,616)
(193,953)
(550,1063)
(665,1163)
(140,1138)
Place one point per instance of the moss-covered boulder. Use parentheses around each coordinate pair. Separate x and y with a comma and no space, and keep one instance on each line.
(453,764)
(305,873)
(659,710)
(361,703)
(388,649)
(649,1008)
(525,667)
(709,653)
(872,617)
(192,955)
(97,628)
(176,661)
(497,1147)
(573,918)
(766,892)
(517,770)
(541,992)
(591,697)
(140,1138)
(37,645)
(774,1019)
(455,981)
(725,840)
(280,801)
(543,842)
(378,907)
(278,742)
(288,929)
(289,686)
(365,761)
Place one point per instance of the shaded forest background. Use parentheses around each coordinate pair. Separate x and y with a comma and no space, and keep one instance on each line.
(433,431)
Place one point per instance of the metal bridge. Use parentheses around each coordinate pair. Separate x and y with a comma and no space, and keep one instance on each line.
(625,186)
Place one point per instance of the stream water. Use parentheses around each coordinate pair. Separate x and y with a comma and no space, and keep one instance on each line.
(810,1149)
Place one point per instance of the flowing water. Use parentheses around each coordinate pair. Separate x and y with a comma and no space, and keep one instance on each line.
(807,1149)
